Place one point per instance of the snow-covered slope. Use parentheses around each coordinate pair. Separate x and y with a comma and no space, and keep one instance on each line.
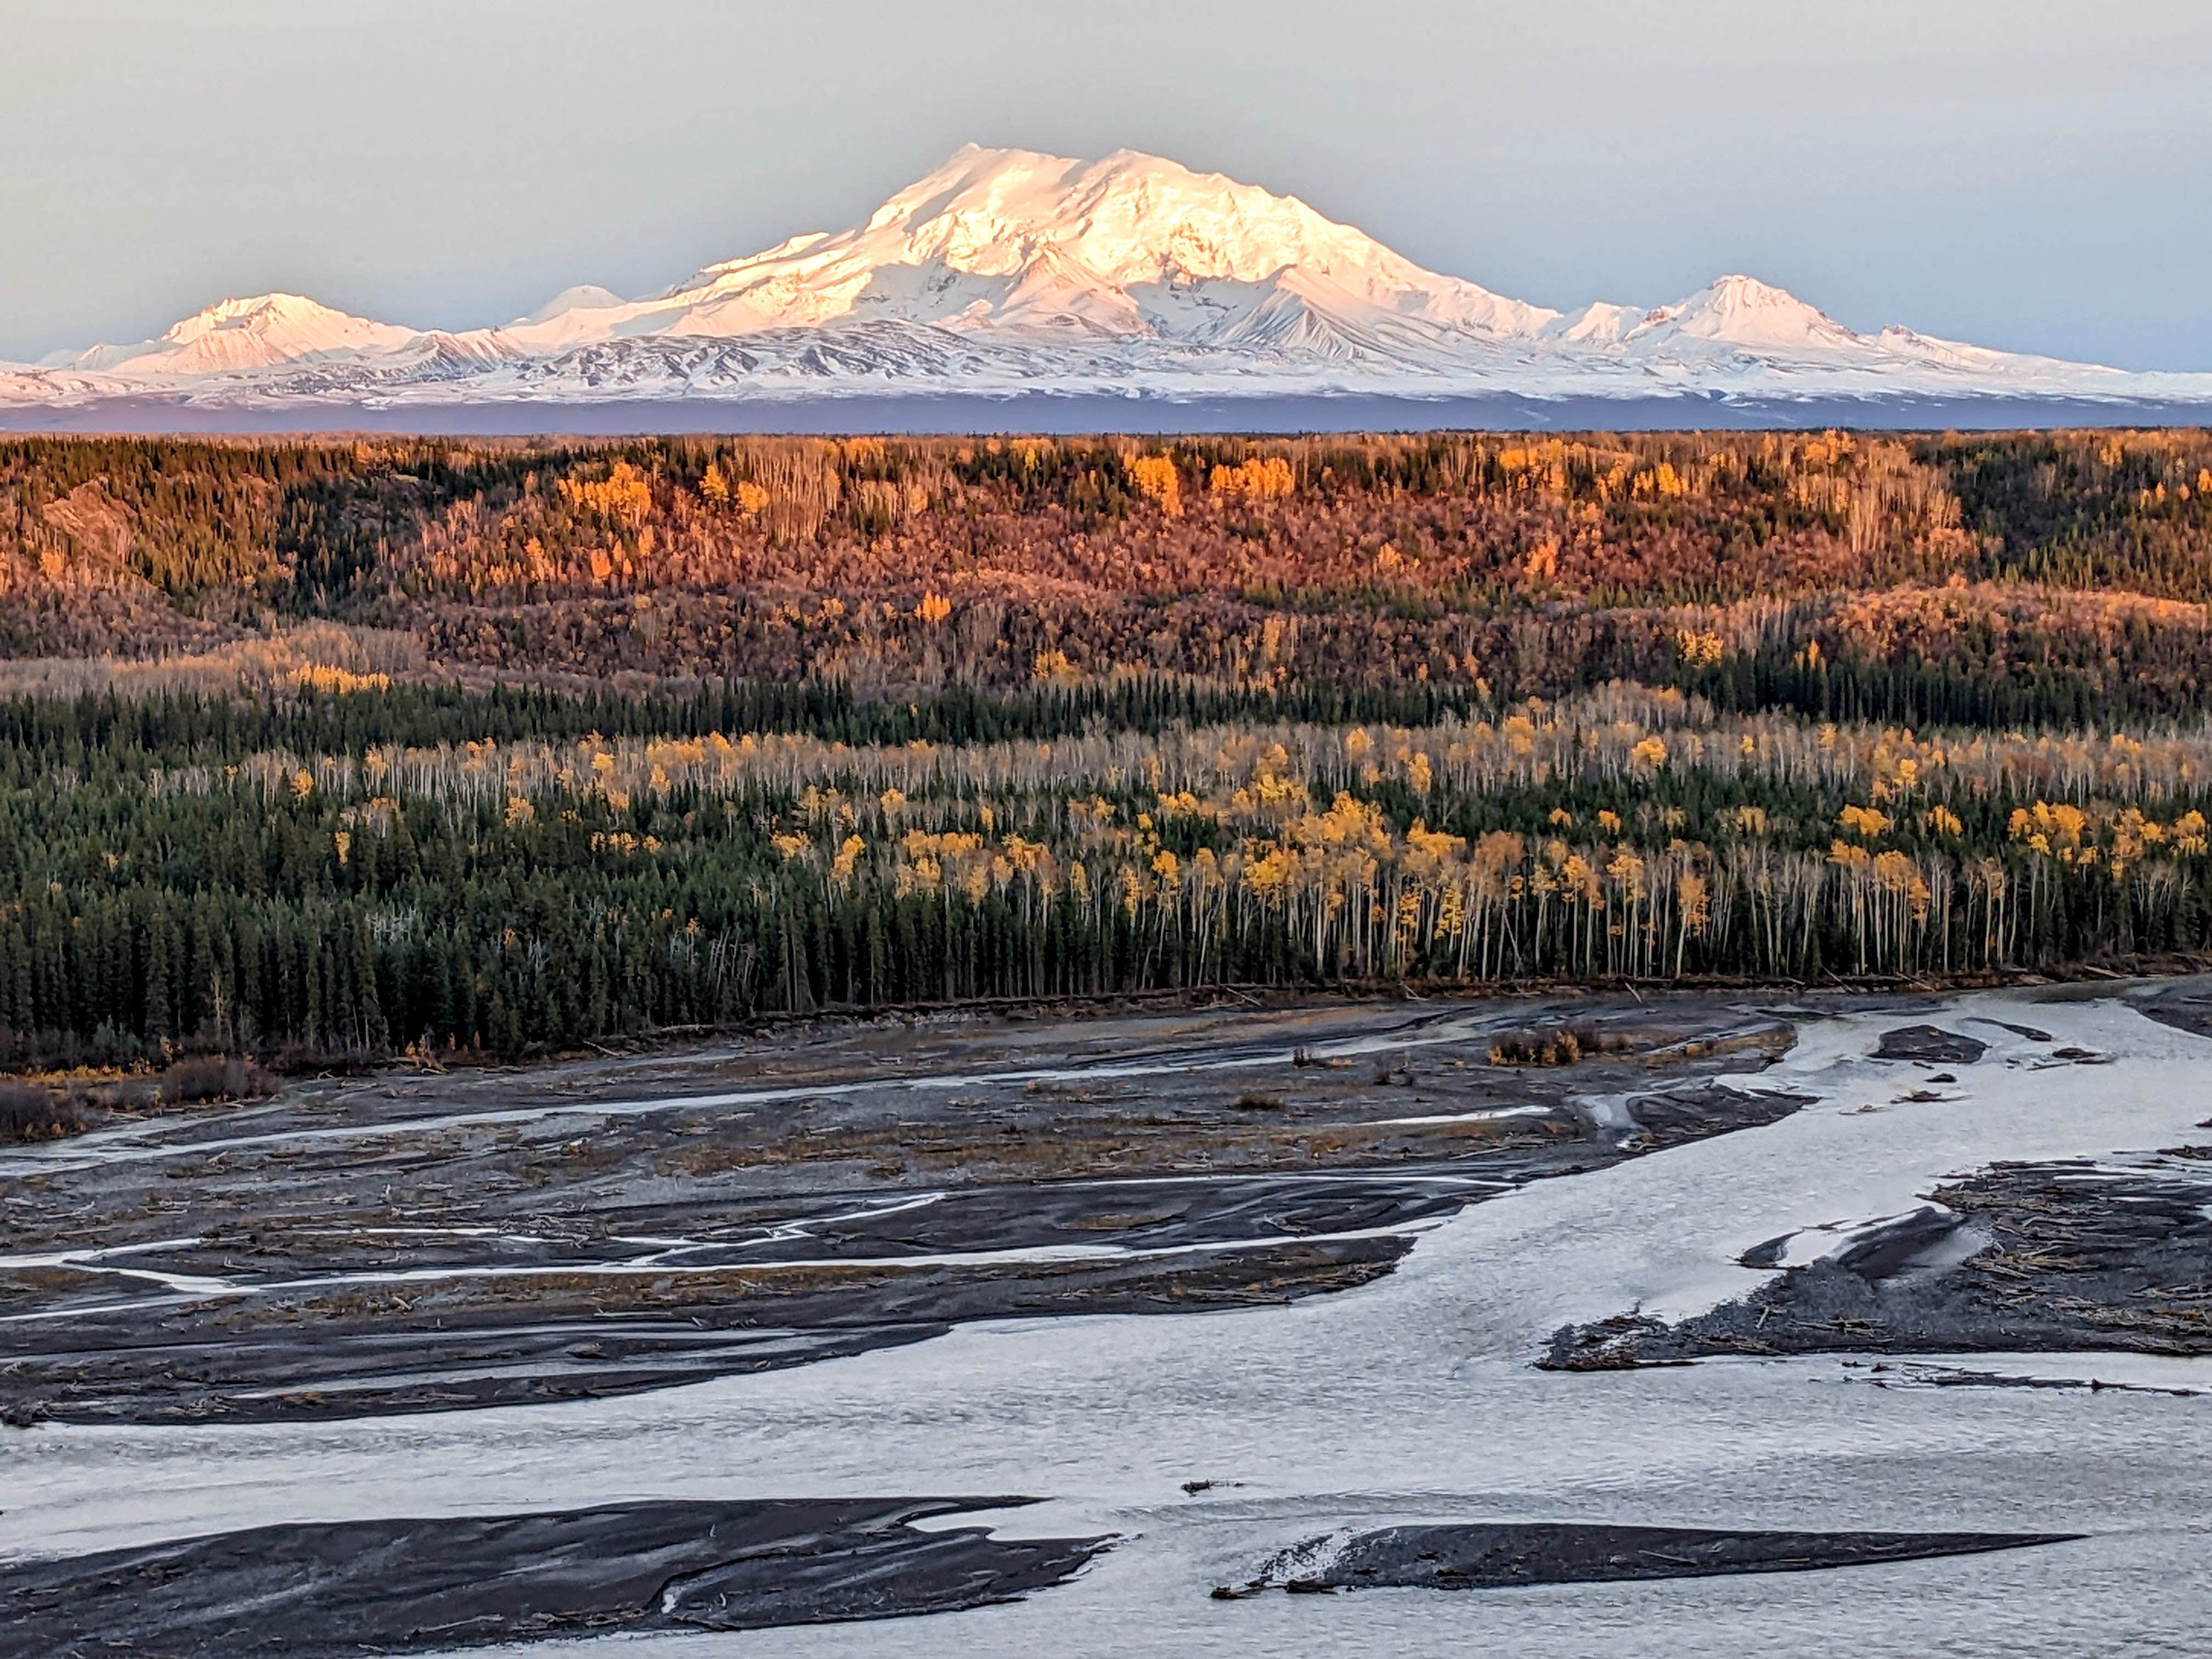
(266,331)
(1006,271)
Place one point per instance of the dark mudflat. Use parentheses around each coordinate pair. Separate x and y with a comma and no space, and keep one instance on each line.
(409,1586)
(2064,1257)
(1932,1044)
(442,1243)
(1499,1556)
(2184,1007)
(1885,1375)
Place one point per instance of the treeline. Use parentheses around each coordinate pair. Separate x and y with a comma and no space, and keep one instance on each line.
(508,897)
(110,733)
(103,733)
(1949,693)
(524,967)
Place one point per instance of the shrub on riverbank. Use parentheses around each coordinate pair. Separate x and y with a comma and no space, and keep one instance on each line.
(30,1112)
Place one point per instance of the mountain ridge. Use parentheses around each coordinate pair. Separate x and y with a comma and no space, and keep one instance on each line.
(1007,273)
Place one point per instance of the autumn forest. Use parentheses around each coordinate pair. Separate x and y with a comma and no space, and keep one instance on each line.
(325,751)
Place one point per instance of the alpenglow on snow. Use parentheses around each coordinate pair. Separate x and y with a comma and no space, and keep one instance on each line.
(1007,273)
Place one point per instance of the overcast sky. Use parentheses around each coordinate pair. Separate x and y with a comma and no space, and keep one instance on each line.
(2020,173)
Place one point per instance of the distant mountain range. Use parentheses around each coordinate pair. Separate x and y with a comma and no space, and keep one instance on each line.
(1010,275)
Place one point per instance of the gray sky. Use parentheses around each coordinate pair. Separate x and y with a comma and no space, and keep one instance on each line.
(2020,173)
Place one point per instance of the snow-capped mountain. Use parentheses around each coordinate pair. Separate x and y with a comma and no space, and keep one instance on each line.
(266,331)
(1007,273)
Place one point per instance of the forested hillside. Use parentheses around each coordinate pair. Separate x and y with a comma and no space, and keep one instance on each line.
(329,750)
(1526,563)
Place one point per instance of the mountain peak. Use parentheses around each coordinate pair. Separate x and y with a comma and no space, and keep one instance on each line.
(1738,289)
(583,296)
(1131,243)
(1742,311)
(258,331)
(1133,218)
